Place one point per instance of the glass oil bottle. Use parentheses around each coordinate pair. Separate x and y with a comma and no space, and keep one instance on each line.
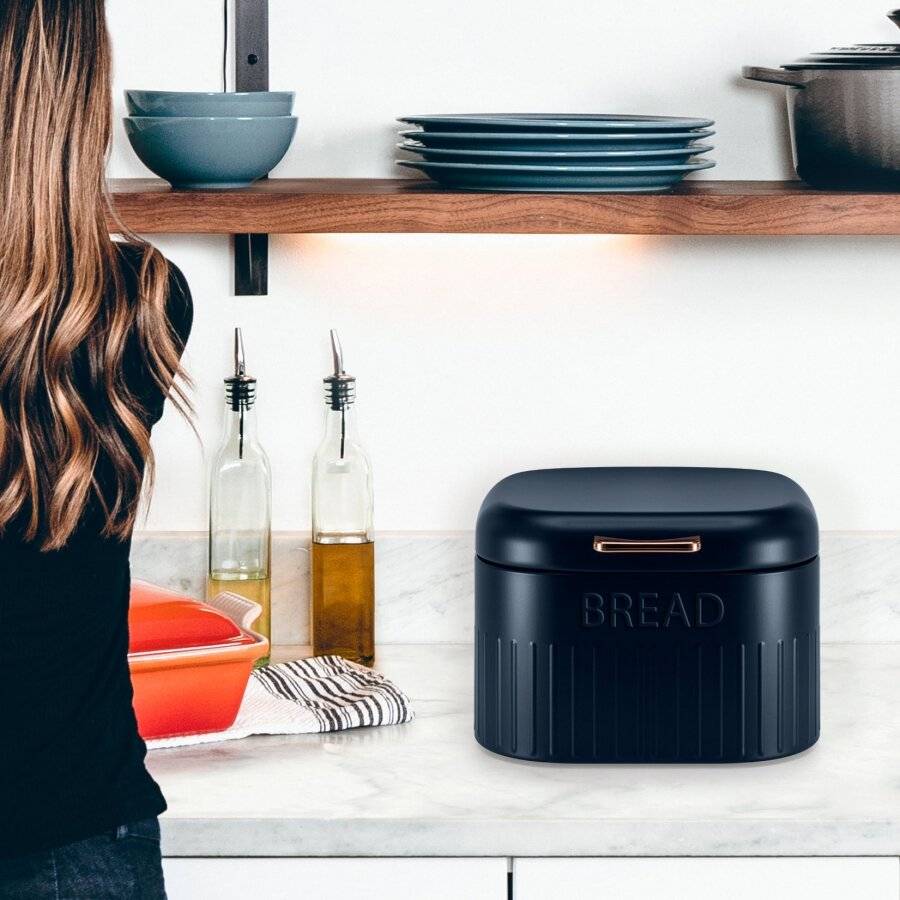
(240,501)
(343,549)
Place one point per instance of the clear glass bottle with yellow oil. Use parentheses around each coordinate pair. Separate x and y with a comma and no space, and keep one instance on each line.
(343,549)
(240,501)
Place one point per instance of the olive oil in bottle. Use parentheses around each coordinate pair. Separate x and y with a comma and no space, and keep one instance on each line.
(343,591)
(254,585)
(240,501)
(343,551)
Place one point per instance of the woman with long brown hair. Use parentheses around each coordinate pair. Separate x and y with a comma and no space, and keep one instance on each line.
(91,335)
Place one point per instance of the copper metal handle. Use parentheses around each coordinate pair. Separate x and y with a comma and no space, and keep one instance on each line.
(652,545)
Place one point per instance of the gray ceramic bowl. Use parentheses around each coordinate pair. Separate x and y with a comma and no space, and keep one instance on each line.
(209,103)
(202,153)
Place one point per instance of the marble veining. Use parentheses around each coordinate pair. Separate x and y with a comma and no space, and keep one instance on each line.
(424,583)
(426,788)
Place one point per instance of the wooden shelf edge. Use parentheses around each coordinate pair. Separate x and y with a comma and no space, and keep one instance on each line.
(338,205)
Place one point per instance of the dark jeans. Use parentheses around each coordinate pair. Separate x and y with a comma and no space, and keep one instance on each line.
(122,864)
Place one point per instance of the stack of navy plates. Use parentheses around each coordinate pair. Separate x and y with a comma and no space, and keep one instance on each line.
(584,153)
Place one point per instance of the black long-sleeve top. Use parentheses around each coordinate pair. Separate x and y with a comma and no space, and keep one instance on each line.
(71,760)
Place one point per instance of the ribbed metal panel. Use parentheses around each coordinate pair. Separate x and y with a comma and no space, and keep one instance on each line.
(638,702)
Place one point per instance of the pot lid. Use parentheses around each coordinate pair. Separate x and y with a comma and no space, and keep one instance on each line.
(647,519)
(161,621)
(875,65)
(854,56)
(861,50)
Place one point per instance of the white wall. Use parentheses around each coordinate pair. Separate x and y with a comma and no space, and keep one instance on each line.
(480,355)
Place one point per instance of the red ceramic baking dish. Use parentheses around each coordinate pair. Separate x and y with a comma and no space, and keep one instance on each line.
(189,661)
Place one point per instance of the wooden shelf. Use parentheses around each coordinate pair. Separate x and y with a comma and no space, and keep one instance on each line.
(359,205)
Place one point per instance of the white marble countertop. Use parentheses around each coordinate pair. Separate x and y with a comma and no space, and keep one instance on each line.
(427,789)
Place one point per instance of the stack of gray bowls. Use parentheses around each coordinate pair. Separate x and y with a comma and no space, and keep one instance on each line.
(202,140)
(557,152)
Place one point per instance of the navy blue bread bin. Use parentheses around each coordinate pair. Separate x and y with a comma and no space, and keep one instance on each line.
(647,615)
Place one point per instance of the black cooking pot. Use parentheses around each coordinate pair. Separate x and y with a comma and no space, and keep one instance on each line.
(844,113)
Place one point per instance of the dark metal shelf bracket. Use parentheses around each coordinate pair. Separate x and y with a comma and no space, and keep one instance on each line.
(251,73)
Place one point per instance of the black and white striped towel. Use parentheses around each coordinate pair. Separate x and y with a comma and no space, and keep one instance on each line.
(324,693)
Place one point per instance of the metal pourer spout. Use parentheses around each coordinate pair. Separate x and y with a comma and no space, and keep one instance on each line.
(240,389)
(337,353)
(240,366)
(340,388)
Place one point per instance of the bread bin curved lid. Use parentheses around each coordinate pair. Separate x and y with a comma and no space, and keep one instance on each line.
(647,519)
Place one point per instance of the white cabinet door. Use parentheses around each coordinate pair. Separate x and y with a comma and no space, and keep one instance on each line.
(826,878)
(374,879)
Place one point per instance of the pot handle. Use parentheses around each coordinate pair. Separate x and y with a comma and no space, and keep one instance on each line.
(774,76)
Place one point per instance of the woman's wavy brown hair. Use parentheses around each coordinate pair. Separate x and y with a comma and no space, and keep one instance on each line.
(65,313)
